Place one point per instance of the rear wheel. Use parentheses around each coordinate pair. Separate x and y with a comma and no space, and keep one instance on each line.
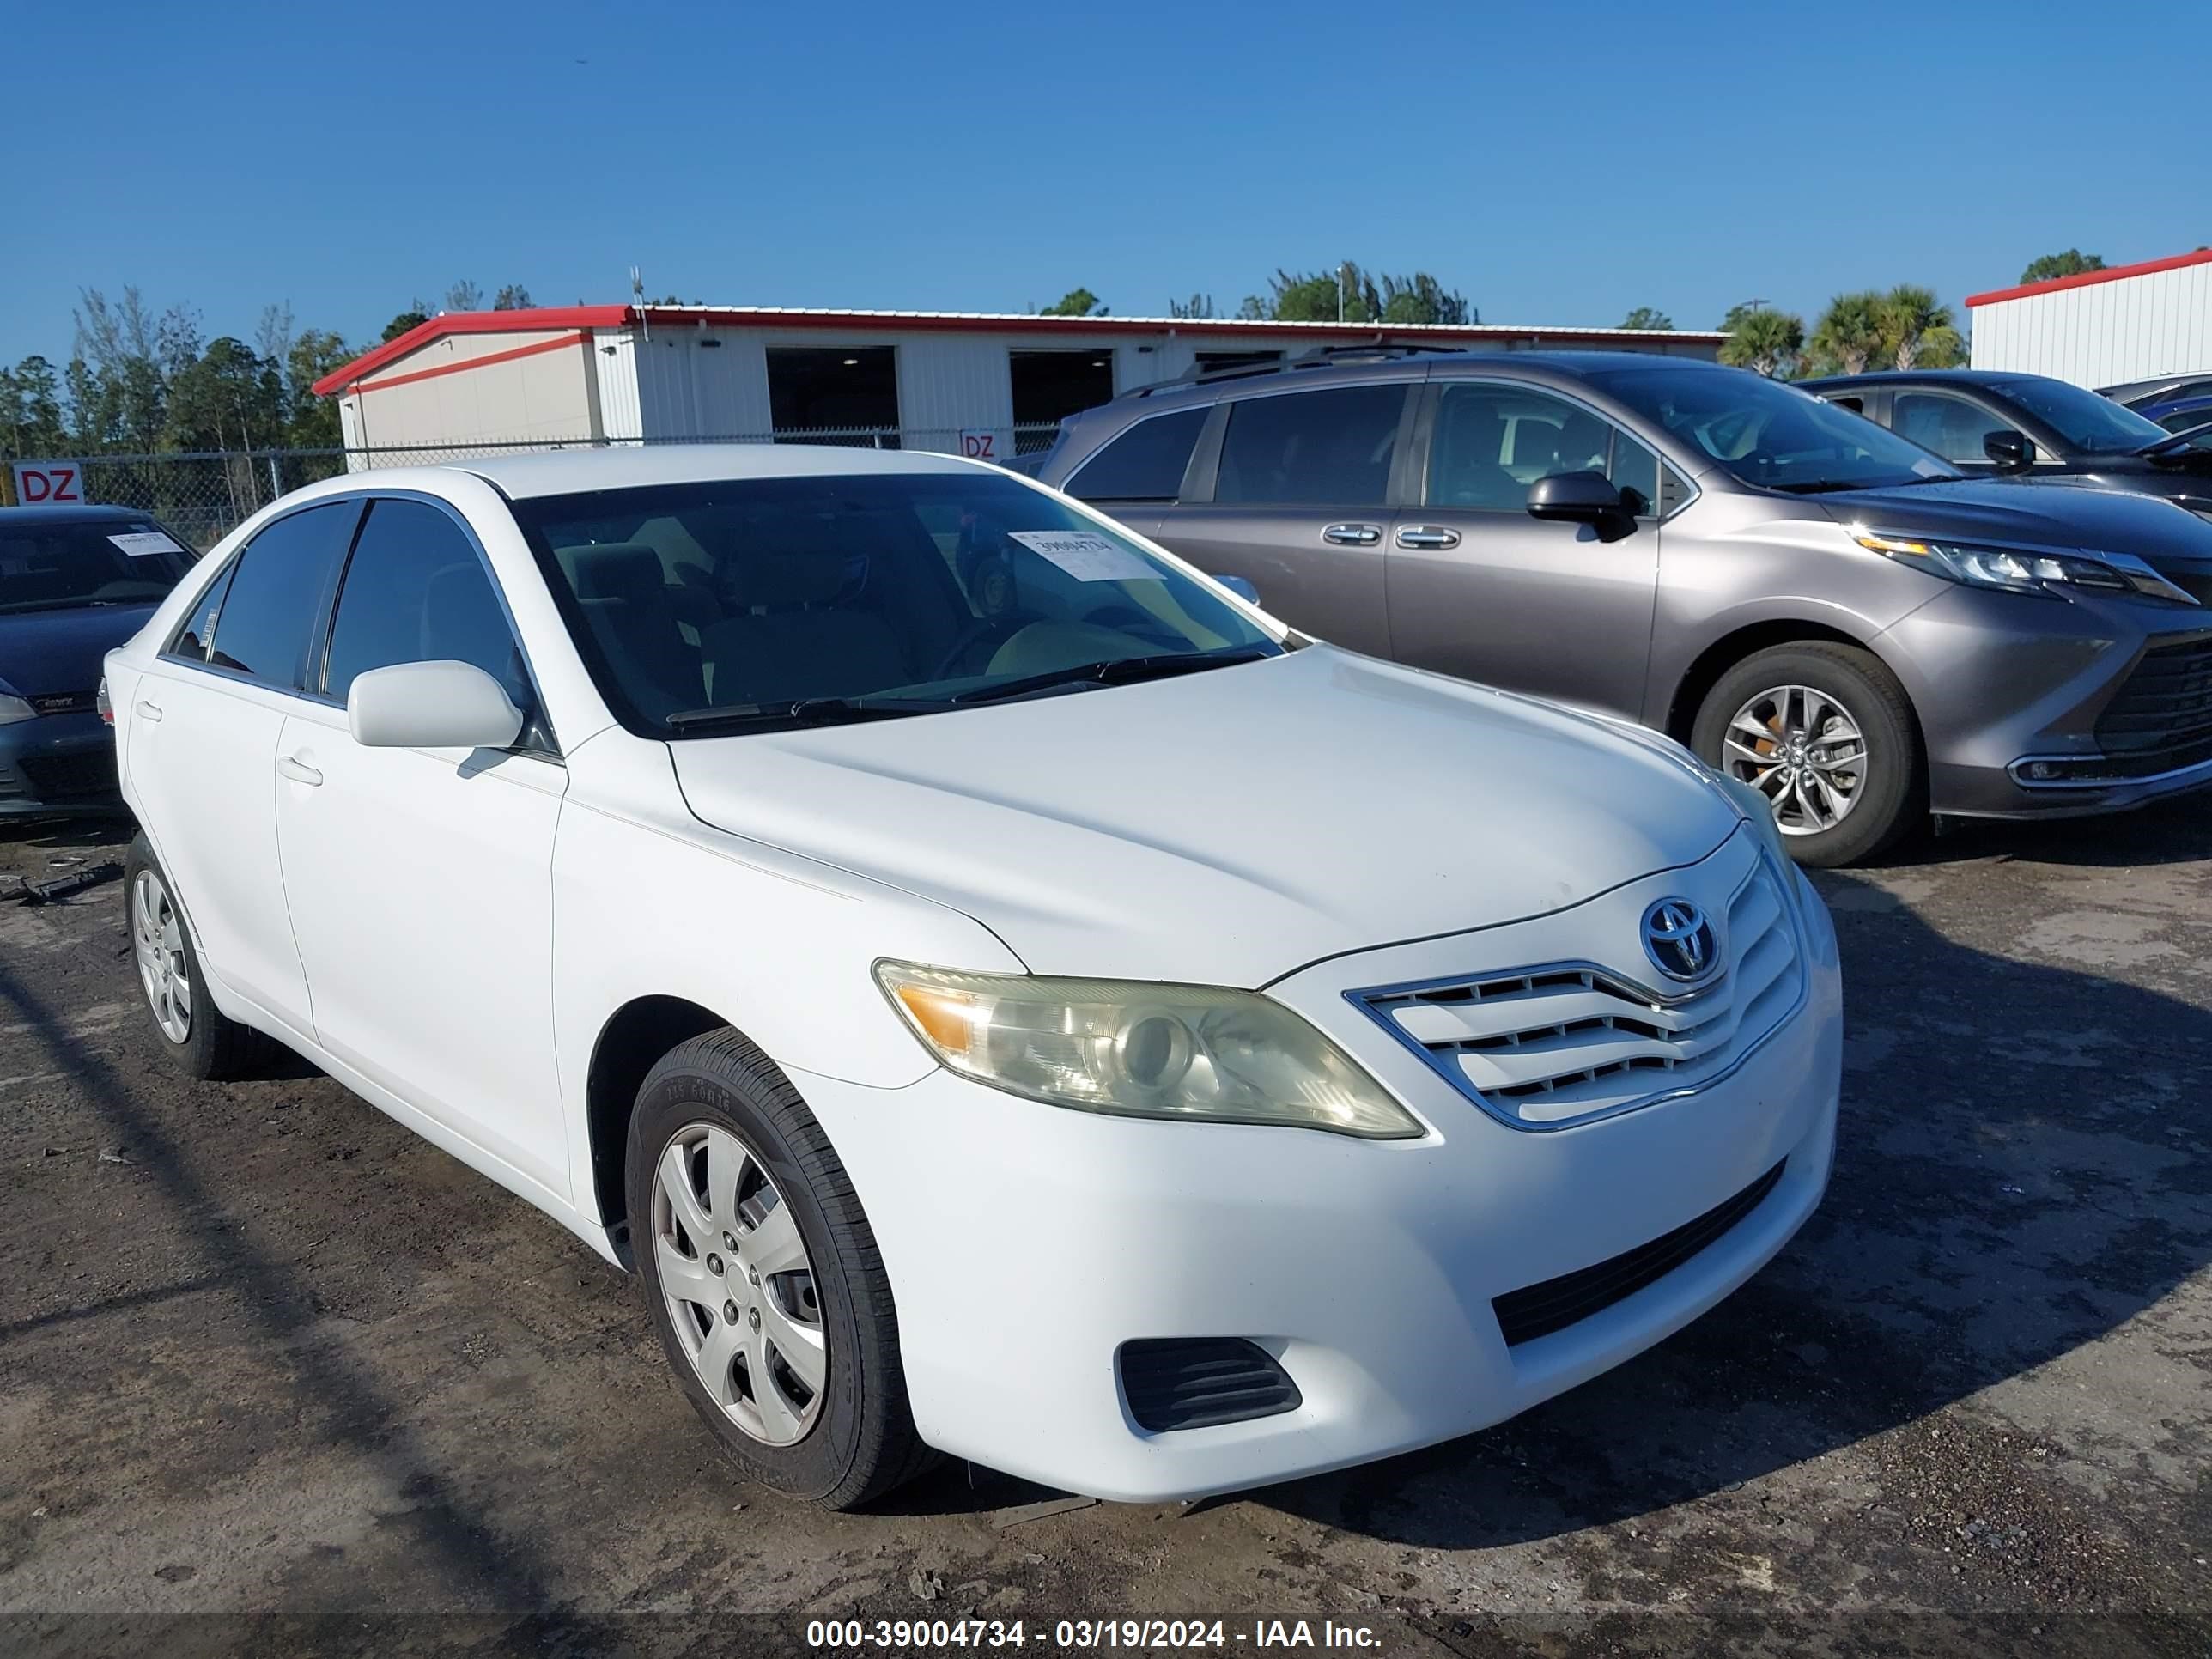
(199,1040)
(1825,732)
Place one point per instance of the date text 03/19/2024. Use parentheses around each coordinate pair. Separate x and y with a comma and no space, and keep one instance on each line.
(1086,1635)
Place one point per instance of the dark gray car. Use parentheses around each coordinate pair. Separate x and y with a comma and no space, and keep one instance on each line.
(1823,609)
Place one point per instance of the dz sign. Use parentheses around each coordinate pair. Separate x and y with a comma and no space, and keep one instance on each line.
(49,483)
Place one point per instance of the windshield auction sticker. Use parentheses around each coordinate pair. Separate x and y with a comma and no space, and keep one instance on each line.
(1087,555)
(145,543)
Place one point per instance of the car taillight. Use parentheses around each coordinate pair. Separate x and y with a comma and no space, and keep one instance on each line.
(99,701)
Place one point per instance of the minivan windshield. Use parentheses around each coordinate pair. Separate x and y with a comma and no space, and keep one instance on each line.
(1772,436)
(705,609)
(68,563)
(2092,424)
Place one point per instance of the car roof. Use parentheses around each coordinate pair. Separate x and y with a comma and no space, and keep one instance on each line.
(92,513)
(1349,363)
(570,471)
(1917,376)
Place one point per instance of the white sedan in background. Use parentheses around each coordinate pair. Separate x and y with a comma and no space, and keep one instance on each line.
(1003,993)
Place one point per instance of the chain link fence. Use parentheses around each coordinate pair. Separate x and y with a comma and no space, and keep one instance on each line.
(204,496)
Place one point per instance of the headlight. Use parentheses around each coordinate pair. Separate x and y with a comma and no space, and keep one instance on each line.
(14,709)
(2015,571)
(1143,1050)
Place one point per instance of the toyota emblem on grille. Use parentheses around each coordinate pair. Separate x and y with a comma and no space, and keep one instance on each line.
(1679,939)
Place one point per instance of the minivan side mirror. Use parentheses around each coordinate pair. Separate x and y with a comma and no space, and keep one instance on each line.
(1242,589)
(431,705)
(1577,498)
(2010,450)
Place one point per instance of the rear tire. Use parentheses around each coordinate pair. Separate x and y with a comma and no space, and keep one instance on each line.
(747,1311)
(1827,734)
(198,1038)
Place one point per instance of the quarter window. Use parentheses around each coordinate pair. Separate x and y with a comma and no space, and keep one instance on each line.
(1144,464)
(417,591)
(1636,469)
(1331,446)
(269,600)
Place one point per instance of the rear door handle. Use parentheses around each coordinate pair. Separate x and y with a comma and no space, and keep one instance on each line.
(298,771)
(1427,535)
(1353,535)
(148,711)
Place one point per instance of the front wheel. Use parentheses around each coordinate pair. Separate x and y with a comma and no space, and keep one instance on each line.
(1825,732)
(764,1277)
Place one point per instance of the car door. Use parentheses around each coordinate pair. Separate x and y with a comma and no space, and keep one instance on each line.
(1293,494)
(421,879)
(206,719)
(1480,589)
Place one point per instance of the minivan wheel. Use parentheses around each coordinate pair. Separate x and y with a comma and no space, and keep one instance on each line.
(764,1278)
(1825,732)
(199,1040)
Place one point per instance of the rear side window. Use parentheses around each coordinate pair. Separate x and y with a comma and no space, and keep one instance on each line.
(1332,446)
(1144,464)
(275,592)
(415,592)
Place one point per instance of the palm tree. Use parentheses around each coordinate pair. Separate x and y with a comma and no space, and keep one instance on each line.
(1850,333)
(1916,331)
(1766,342)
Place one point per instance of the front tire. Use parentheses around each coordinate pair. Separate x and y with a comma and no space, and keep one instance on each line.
(1825,732)
(198,1038)
(764,1278)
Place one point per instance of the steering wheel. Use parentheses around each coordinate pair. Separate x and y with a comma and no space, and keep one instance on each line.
(999,629)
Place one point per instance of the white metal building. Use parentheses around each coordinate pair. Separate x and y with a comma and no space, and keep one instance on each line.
(2104,327)
(979,383)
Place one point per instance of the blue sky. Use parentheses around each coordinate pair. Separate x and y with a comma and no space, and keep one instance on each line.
(1559,164)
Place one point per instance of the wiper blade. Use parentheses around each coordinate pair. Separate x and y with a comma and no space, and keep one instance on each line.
(805,711)
(1116,671)
(1816,487)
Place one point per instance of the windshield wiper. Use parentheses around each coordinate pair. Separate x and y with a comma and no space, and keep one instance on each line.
(806,711)
(1116,671)
(1835,486)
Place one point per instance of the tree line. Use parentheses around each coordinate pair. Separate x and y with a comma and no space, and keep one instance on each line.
(142,382)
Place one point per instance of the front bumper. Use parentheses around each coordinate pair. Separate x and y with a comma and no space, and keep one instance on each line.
(59,764)
(1025,1244)
(2001,681)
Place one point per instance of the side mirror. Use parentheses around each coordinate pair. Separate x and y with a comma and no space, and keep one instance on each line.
(1242,589)
(1577,498)
(431,705)
(2010,450)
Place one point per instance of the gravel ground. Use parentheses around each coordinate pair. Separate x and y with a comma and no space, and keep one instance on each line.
(275,1374)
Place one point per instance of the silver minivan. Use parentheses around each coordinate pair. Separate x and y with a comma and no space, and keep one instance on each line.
(1813,605)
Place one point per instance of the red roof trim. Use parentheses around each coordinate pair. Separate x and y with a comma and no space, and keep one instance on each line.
(848,322)
(2088,278)
(558,343)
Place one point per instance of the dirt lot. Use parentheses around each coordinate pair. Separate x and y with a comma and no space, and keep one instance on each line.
(283,1377)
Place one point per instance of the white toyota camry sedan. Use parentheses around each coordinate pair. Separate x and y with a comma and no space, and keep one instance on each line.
(1003,993)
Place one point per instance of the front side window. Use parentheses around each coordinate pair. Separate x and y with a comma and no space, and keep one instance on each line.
(1952,427)
(415,591)
(708,608)
(274,592)
(1329,447)
(1144,464)
(1491,442)
(62,564)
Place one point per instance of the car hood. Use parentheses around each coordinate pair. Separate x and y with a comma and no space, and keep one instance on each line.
(55,652)
(2170,539)
(1229,826)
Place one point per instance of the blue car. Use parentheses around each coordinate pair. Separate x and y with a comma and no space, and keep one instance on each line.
(75,582)
(2182,415)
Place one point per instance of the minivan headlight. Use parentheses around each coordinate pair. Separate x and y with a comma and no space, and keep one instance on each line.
(1137,1050)
(2016,571)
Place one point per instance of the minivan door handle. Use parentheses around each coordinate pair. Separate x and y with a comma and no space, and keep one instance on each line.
(1353,535)
(1427,535)
(148,711)
(298,771)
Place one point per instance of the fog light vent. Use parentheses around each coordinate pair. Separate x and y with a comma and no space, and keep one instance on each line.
(1200,1381)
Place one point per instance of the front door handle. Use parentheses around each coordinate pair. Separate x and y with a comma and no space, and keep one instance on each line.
(299,771)
(1427,535)
(1353,535)
(148,711)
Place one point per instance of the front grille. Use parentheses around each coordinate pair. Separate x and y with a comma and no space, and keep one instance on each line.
(1541,1048)
(68,777)
(1539,1309)
(1199,1382)
(2160,719)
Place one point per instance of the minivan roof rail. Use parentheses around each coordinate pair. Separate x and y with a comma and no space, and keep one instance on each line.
(1379,350)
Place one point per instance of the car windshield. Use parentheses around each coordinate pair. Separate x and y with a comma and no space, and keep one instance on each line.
(66,564)
(1772,436)
(707,608)
(2086,422)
